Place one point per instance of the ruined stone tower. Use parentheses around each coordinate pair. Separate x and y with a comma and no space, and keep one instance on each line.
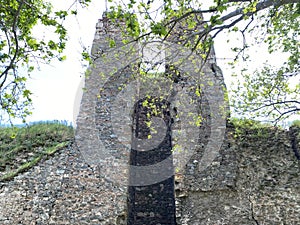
(112,131)
(161,145)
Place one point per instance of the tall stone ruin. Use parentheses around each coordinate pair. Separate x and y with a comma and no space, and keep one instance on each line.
(108,129)
(183,169)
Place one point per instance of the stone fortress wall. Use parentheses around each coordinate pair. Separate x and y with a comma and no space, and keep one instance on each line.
(253,184)
(106,117)
(253,179)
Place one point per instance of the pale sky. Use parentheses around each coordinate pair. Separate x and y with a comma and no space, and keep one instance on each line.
(54,86)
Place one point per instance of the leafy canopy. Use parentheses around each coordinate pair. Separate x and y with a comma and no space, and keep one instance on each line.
(274,22)
(267,93)
(22,47)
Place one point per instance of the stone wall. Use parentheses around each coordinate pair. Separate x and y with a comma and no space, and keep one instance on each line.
(254,180)
(220,180)
(105,126)
(218,177)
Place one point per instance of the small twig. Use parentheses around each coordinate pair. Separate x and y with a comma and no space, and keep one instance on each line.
(252,211)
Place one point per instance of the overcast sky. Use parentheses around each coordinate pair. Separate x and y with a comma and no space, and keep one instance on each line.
(54,86)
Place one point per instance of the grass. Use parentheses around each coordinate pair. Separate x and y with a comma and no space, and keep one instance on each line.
(296,123)
(250,127)
(23,147)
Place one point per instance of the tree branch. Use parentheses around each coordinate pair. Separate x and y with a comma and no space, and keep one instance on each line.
(238,12)
(282,114)
(14,27)
(260,6)
(277,103)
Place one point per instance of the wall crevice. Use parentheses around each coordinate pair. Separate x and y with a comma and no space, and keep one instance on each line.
(293,132)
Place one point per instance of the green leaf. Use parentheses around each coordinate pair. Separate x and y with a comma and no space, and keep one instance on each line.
(112,43)
(159,29)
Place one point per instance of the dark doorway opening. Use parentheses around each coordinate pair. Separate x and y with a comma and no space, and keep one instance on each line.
(153,203)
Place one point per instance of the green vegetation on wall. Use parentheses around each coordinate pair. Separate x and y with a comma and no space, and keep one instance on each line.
(23,147)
